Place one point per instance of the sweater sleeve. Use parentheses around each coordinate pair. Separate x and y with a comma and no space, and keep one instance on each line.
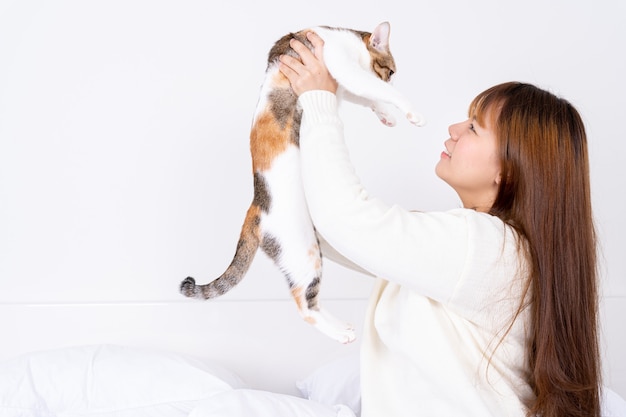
(426,252)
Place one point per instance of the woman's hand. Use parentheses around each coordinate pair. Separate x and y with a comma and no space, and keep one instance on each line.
(310,72)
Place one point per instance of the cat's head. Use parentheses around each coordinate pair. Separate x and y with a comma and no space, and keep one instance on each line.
(377,44)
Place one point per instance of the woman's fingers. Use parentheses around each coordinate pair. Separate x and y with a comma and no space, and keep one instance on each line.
(290,64)
(306,56)
(309,72)
(318,44)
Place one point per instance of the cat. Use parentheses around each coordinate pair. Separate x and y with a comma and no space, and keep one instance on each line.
(277,220)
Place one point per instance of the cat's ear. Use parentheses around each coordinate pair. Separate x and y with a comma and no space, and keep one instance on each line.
(380,37)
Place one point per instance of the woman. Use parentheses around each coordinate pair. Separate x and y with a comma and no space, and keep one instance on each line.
(487,310)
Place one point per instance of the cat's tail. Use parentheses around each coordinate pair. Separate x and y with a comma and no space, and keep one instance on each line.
(248,244)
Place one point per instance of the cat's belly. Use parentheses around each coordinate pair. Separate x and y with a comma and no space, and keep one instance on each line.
(288,216)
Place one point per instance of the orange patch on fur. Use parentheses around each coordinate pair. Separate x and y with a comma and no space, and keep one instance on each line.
(267,140)
(250,224)
(314,252)
(280,81)
(296,293)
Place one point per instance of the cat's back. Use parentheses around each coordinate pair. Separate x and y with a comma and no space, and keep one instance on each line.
(335,39)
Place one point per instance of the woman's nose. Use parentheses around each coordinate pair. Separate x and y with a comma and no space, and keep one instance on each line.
(453,131)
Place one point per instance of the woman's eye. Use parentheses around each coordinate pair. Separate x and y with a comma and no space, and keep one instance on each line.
(471,127)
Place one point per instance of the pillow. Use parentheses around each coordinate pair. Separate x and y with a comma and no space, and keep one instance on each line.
(337,382)
(249,402)
(108,381)
(612,404)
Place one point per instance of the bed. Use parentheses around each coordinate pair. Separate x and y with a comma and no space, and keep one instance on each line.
(180,359)
(186,358)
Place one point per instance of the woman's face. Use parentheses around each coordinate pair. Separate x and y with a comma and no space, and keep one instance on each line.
(470,163)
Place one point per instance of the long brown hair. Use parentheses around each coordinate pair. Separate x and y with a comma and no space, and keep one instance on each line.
(544,195)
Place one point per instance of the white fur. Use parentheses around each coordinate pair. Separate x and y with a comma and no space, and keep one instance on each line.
(266,89)
(289,217)
(348,60)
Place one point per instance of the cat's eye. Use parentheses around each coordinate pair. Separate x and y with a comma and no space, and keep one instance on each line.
(391,73)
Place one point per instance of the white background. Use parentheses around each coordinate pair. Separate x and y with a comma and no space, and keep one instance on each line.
(124,163)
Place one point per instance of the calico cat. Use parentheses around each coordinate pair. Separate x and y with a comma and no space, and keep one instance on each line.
(278,221)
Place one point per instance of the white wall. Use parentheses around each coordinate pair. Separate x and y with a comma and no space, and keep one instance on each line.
(124,162)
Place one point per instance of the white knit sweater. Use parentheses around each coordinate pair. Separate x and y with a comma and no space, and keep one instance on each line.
(437,339)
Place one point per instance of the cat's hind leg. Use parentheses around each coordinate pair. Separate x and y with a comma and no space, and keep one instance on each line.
(289,239)
(303,269)
(306,296)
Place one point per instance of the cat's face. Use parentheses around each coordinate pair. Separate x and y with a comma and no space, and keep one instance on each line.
(383,65)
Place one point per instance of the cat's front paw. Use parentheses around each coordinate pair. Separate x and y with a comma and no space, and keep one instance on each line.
(388,121)
(416,118)
(385,118)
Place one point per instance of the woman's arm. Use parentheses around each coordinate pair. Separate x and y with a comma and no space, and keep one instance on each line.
(427,252)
